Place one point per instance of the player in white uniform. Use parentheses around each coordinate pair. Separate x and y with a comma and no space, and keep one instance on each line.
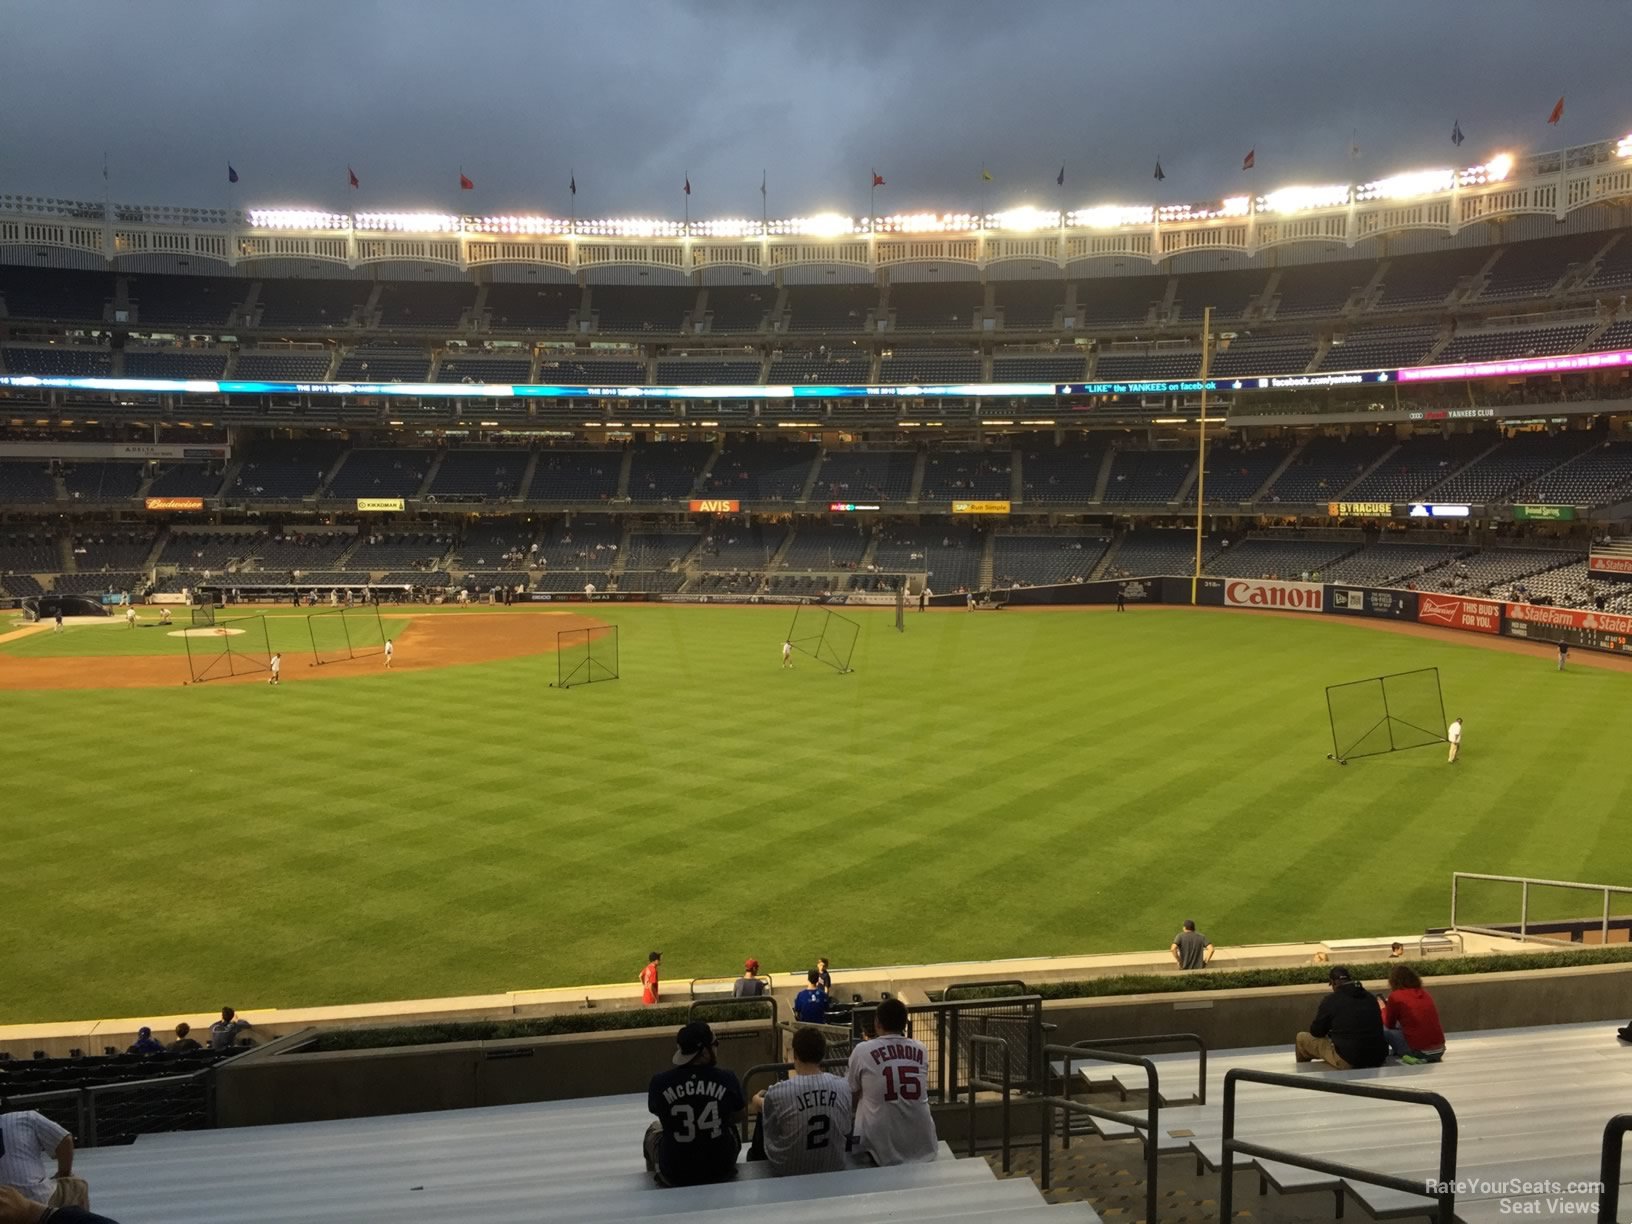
(389,651)
(787,654)
(804,1121)
(130,616)
(889,1085)
(1454,738)
(277,667)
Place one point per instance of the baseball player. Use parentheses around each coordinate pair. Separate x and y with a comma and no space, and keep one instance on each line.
(389,651)
(277,667)
(787,653)
(164,616)
(130,617)
(57,628)
(1454,738)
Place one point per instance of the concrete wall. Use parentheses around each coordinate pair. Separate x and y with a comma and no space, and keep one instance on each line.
(280,1087)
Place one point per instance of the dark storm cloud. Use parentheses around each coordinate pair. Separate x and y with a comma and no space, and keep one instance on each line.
(633,95)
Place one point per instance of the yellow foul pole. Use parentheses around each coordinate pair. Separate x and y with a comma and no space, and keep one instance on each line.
(1201,445)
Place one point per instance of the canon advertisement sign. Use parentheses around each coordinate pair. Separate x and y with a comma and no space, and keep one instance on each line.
(1265,593)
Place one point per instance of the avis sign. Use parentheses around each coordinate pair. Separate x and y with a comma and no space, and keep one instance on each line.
(1266,593)
(1455,612)
(715,505)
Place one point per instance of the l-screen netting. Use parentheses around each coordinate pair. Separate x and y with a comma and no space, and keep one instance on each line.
(339,634)
(1386,714)
(824,635)
(204,614)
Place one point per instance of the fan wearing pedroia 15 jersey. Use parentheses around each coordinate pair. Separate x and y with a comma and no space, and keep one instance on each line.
(889,1084)
(697,1105)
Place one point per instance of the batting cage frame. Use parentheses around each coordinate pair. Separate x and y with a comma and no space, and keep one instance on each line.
(211,658)
(204,614)
(825,636)
(361,636)
(586,656)
(1383,714)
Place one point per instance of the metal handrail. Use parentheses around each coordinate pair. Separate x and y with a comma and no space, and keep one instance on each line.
(1150,1123)
(1004,1085)
(1524,882)
(1014,984)
(1105,1043)
(1609,1168)
(1445,1199)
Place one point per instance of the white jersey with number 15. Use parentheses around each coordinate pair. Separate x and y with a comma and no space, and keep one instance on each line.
(889,1083)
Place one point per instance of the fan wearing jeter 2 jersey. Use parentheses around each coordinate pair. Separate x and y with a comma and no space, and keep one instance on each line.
(697,1105)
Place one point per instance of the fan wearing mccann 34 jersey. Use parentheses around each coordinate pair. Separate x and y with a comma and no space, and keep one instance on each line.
(804,1123)
(697,1105)
(889,1084)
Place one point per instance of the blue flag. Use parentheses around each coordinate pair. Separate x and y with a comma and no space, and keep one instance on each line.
(1060,177)
(1456,133)
(1159,176)
(232,175)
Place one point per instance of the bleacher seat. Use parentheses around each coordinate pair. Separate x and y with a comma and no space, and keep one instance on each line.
(1149,552)
(860,476)
(750,470)
(1595,478)
(739,308)
(204,302)
(1428,280)
(1236,472)
(109,481)
(1148,476)
(1229,293)
(825,546)
(1067,472)
(26,481)
(1324,467)
(281,470)
(665,471)
(303,304)
(1515,462)
(384,365)
(1378,348)
(1264,355)
(1531,269)
(1497,343)
(27,548)
(819,308)
(1117,301)
(427,304)
(704,371)
(640,308)
(174,363)
(946,307)
(575,476)
(955,475)
(471,368)
(573,1161)
(58,360)
(381,473)
(112,548)
(659,550)
(1320,288)
(1121,365)
(58,295)
(1274,558)
(585,371)
(400,550)
(838,368)
(949,554)
(1028,305)
(929,365)
(1046,559)
(479,474)
(1417,466)
(522,307)
(587,543)
(283,365)
(1039,367)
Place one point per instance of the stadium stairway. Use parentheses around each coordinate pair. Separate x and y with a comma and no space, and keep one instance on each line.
(1530,1103)
(573,1160)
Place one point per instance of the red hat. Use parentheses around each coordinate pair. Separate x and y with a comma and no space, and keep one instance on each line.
(751,965)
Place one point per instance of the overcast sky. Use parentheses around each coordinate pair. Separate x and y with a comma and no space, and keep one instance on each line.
(634,95)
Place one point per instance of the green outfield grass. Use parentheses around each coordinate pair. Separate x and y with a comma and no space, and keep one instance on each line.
(982,786)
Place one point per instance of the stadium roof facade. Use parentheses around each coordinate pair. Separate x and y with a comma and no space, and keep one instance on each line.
(1443,200)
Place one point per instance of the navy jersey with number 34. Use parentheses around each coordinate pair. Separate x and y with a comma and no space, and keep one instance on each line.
(696,1106)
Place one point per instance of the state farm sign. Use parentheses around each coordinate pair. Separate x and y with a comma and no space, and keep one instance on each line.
(1454,612)
(1570,618)
(1263,593)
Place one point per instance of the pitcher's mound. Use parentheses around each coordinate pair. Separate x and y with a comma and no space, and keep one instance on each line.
(205,631)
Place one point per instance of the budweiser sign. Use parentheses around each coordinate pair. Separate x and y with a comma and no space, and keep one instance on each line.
(1455,612)
(1570,618)
(1264,593)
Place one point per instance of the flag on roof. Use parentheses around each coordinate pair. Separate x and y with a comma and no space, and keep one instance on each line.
(878,179)
(1159,176)
(985,175)
(1248,161)
(232,175)
(1456,134)
(1059,179)
(464,183)
(572,183)
(1558,111)
(352,175)
(688,184)
(762,184)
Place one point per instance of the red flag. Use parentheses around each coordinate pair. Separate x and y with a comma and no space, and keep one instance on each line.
(878,179)
(1558,111)
(352,175)
(1247,161)
(464,183)
(688,184)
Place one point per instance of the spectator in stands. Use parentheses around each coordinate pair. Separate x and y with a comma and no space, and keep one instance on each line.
(184,1042)
(16,1209)
(810,1004)
(28,1142)
(1396,950)
(889,1086)
(145,1043)
(1410,1019)
(648,978)
(804,1120)
(224,1032)
(1190,949)
(750,985)
(697,1105)
(1347,1030)
(827,978)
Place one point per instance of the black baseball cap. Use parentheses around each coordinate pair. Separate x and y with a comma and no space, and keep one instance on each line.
(692,1041)
(1339,973)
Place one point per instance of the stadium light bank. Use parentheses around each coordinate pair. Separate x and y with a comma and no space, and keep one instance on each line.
(1026,218)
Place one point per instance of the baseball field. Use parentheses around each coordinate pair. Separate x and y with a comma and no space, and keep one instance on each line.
(982,785)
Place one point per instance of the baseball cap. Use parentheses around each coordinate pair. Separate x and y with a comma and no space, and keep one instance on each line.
(144,1031)
(751,965)
(1339,973)
(692,1041)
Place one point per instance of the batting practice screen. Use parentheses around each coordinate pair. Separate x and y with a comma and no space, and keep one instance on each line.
(1386,714)
(824,635)
(340,634)
(584,656)
(237,647)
